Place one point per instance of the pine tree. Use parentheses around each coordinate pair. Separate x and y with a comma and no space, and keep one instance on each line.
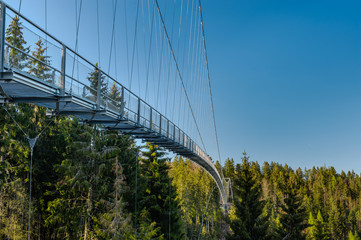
(246,220)
(39,68)
(14,36)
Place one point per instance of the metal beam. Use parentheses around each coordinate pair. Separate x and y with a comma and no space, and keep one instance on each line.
(82,112)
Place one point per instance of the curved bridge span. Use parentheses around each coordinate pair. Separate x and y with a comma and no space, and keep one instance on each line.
(94,104)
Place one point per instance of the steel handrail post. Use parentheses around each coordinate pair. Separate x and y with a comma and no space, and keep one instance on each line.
(63,65)
(99,88)
(2,35)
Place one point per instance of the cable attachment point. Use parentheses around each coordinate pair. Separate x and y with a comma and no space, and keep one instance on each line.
(32,142)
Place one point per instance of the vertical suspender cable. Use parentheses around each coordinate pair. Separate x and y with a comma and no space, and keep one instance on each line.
(115,53)
(150,49)
(77,21)
(136,194)
(170,209)
(180,76)
(161,62)
(32,142)
(126,36)
(205,211)
(98,36)
(46,27)
(20,6)
(113,33)
(209,84)
(134,43)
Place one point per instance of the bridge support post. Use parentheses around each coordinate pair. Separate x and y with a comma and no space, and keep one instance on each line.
(160,125)
(62,79)
(122,103)
(151,118)
(138,117)
(99,90)
(2,35)
(173,132)
(168,129)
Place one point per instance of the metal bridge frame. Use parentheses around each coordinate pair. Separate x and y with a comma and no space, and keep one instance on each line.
(131,116)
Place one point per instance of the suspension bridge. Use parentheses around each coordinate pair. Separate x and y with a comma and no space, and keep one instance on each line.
(73,85)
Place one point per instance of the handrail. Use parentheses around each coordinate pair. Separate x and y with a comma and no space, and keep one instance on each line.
(34,58)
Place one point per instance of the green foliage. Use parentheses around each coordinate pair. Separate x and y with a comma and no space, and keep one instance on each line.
(13,199)
(14,36)
(159,198)
(84,187)
(194,186)
(94,78)
(90,190)
(148,230)
(317,229)
(292,217)
(353,236)
(246,219)
(38,66)
(115,93)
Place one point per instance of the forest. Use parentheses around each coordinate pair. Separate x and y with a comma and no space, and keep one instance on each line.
(93,184)
(64,179)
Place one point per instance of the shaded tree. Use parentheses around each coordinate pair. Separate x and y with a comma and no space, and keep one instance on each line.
(38,67)
(246,219)
(14,36)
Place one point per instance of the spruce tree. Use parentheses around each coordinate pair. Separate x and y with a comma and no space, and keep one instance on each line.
(317,227)
(115,93)
(116,97)
(229,169)
(148,230)
(14,36)
(91,203)
(293,216)
(159,198)
(353,236)
(93,78)
(39,68)
(115,222)
(246,220)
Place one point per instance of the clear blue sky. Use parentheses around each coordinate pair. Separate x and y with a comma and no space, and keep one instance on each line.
(287,80)
(286,75)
